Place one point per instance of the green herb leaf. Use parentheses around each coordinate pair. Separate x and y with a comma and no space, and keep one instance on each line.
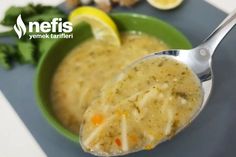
(13,12)
(4,62)
(26,52)
(45,45)
(31,13)
(7,52)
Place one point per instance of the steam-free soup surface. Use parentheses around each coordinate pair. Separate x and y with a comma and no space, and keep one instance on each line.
(144,106)
(82,74)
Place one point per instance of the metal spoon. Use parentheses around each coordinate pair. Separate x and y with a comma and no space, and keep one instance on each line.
(199,59)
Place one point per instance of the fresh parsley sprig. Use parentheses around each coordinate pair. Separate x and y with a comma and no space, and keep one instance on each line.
(26,51)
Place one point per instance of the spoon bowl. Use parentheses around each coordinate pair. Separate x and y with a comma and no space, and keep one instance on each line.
(198,59)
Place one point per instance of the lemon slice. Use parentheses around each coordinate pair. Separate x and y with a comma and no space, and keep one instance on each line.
(103,27)
(165,4)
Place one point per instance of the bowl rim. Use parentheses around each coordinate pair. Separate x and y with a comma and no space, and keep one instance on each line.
(51,120)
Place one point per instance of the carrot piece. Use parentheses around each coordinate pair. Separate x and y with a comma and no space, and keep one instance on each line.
(133,138)
(118,142)
(97,119)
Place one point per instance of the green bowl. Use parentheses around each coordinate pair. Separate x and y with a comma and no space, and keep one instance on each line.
(126,22)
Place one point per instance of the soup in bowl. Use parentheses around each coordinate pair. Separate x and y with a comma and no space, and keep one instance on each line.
(72,74)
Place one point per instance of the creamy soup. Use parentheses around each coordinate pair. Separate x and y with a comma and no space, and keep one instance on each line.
(83,72)
(146,105)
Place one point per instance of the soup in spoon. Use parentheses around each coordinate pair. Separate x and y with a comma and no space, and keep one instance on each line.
(144,106)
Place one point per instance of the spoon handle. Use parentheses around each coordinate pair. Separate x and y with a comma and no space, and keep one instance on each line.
(219,33)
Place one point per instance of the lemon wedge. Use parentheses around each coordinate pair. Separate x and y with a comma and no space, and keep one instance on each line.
(165,4)
(103,27)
